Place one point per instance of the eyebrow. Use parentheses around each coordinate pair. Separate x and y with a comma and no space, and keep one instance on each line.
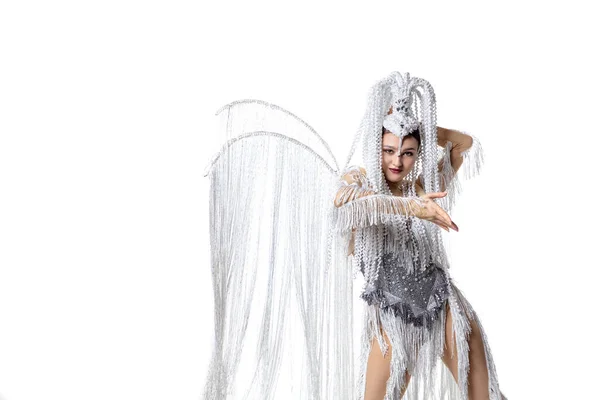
(393,148)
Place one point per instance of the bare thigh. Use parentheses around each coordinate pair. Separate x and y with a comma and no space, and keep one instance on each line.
(478,373)
(378,371)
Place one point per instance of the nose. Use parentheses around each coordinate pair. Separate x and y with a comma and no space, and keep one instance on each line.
(396,161)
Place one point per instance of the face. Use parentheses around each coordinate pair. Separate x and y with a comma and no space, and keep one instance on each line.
(397,164)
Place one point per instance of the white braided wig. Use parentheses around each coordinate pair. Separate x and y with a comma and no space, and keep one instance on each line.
(414,108)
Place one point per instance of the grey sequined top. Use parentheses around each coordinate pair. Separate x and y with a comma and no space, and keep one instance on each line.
(416,297)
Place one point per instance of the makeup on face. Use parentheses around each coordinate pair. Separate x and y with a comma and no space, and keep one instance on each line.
(397,161)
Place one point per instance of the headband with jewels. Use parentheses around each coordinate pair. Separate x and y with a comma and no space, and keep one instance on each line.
(401,122)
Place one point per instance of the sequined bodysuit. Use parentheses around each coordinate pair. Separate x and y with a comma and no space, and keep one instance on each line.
(417,297)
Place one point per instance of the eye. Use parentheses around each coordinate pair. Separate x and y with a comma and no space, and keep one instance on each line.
(389,151)
(409,153)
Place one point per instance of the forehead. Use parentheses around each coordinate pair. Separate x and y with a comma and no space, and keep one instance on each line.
(389,139)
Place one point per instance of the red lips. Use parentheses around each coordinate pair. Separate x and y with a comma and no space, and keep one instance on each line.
(396,171)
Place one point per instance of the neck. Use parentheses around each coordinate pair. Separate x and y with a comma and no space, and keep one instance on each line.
(395,187)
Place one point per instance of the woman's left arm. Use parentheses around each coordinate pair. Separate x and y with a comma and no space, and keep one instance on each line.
(460,143)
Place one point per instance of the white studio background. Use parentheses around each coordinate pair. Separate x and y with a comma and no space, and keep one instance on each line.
(106,124)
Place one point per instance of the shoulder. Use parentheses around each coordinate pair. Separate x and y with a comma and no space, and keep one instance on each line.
(355,174)
(419,188)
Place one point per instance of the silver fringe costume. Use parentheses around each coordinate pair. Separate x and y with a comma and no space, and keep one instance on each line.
(280,262)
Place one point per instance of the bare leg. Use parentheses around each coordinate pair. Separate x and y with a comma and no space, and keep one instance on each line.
(378,371)
(406,380)
(478,373)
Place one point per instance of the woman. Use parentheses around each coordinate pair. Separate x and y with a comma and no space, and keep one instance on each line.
(410,297)
(282,277)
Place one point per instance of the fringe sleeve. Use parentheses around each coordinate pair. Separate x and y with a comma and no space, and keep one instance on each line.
(353,185)
(360,206)
(472,161)
(376,210)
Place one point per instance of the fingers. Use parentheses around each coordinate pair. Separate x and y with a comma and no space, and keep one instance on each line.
(438,219)
(436,214)
(445,226)
(443,215)
(445,218)
(435,195)
(452,225)
(441,226)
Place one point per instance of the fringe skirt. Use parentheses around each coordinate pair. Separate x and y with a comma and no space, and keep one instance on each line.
(417,337)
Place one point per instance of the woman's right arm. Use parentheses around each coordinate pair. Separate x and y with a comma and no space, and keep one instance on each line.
(352,186)
(361,205)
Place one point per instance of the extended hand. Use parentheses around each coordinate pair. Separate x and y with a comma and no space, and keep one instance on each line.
(432,212)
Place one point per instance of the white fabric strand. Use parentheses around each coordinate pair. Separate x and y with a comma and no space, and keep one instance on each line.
(375,210)
(282,218)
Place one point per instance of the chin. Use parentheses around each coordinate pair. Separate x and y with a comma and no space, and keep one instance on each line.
(394,178)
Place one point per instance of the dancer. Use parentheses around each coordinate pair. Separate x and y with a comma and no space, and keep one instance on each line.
(282,254)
